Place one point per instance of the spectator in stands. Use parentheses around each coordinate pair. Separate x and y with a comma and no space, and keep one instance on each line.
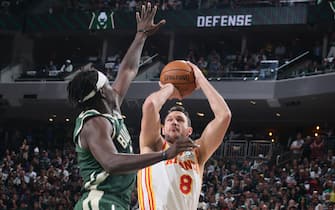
(202,203)
(191,56)
(45,160)
(268,49)
(202,64)
(67,67)
(51,66)
(317,148)
(3,199)
(24,149)
(5,6)
(38,194)
(112,65)
(331,51)
(175,4)
(215,67)
(31,174)
(292,205)
(132,5)
(317,52)
(258,163)
(103,144)
(297,146)
(306,148)
(280,51)
(116,68)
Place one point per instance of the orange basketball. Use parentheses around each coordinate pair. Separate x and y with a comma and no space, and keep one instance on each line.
(181,75)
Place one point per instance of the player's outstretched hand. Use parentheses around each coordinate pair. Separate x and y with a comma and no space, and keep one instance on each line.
(145,20)
(180,145)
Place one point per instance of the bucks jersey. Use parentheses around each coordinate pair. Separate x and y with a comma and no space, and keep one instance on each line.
(102,190)
(173,184)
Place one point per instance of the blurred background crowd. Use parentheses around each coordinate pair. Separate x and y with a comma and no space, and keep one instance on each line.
(38,171)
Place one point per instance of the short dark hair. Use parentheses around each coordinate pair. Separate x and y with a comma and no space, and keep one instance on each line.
(183,110)
(81,85)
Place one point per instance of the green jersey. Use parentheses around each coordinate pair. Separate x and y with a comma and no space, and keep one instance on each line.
(102,190)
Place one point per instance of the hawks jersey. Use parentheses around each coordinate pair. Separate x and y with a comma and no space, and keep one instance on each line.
(171,184)
(101,189)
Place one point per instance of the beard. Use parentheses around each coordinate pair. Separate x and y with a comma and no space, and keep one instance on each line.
(169,138)
(172,138)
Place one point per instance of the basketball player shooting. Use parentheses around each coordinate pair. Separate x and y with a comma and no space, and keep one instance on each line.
(176,183)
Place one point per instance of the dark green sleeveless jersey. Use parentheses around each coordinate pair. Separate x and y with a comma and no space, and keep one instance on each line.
(102,190)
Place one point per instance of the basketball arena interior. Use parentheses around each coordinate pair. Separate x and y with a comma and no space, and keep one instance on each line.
(272,61)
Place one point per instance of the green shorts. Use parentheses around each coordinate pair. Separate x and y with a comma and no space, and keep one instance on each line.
(98,200)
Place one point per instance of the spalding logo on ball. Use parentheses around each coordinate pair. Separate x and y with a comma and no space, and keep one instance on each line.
(181,75)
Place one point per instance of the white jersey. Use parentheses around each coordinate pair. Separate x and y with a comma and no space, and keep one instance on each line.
(171,184)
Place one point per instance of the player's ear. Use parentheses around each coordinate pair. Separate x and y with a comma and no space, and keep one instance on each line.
(163,130)
(102,92)
(189,131)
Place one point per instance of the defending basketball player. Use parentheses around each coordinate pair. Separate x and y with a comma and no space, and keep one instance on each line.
(176,183)
(103,144)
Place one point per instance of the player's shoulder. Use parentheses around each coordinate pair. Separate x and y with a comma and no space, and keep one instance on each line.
(197,140)
(96,122)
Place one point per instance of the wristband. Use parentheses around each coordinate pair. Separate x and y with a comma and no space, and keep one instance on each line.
(142,30)
(164,155)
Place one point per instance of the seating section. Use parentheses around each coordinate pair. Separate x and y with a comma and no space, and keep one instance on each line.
(38,169)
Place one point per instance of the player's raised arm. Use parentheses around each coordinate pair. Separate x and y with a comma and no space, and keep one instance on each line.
(130,63)
(150,138)
(213,135)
